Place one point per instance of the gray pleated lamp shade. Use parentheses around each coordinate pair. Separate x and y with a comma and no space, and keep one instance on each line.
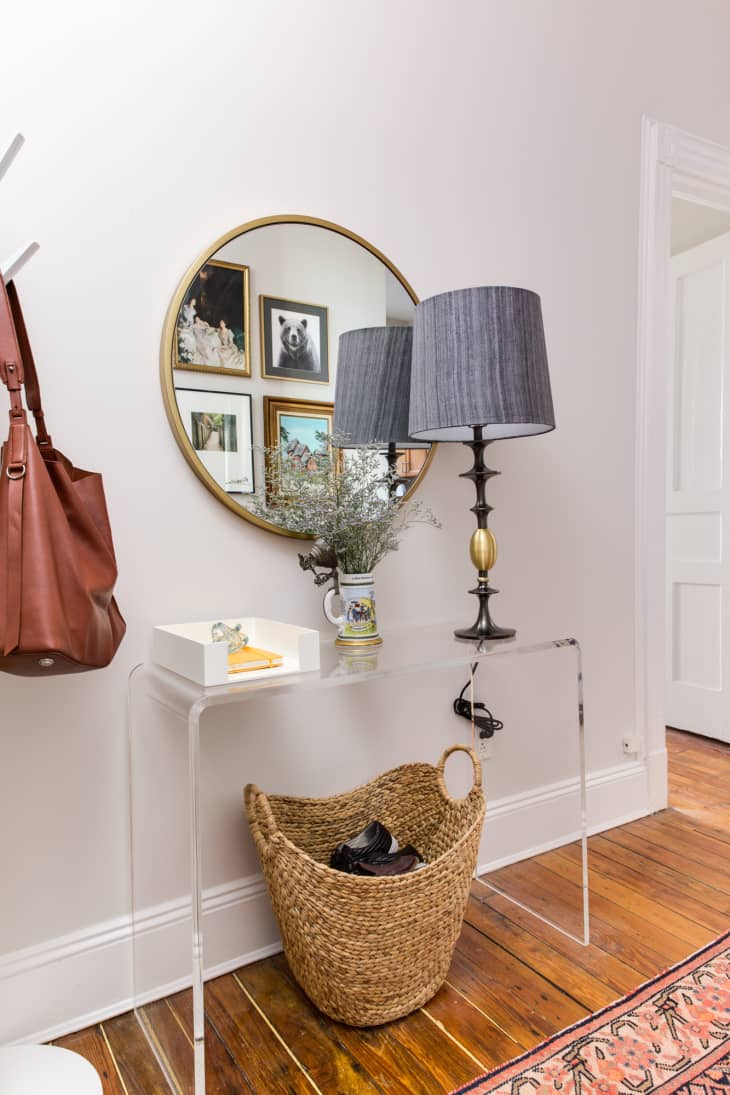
(479,359)
(373,384)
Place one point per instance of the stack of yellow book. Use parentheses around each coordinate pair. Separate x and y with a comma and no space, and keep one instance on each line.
(251,657)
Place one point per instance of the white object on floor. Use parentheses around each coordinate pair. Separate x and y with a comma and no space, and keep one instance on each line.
(46,1070)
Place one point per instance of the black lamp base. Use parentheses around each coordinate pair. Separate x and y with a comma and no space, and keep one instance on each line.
(482,547)
(484,626)
(476,634)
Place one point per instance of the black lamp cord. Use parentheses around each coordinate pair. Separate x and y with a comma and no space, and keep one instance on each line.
(486,723)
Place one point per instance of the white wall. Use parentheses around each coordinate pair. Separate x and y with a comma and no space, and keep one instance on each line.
(473,143)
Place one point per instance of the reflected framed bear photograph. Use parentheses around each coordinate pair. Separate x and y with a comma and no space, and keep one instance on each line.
(294,341)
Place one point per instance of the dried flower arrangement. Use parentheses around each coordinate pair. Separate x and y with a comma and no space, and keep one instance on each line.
(348,500)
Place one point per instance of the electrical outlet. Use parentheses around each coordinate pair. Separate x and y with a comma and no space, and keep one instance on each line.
(484,747)
(630,746)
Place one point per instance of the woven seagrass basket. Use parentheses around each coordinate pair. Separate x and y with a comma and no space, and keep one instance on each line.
(370,950)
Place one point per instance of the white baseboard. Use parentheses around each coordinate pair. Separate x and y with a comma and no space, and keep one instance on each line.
(67,983)
(657,776)
(614,796)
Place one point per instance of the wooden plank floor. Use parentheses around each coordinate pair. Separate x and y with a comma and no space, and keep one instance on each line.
(660,888)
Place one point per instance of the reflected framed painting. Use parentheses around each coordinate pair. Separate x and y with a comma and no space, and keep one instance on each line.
(214,323)
(296,435)
(219,428)
(294,341)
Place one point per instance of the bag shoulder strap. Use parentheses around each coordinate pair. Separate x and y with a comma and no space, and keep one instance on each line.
(11,359)
(14,468)
(30,379)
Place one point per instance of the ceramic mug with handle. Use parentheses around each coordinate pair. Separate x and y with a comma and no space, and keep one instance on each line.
(357,624)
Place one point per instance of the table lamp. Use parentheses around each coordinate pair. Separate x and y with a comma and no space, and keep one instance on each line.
(479,373)
(372,389)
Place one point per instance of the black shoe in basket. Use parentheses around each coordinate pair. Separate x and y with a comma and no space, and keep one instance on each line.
(373,852)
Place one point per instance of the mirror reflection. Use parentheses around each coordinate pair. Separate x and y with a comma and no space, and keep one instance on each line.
(251,346)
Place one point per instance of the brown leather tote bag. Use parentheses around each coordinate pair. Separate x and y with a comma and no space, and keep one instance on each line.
(57,565)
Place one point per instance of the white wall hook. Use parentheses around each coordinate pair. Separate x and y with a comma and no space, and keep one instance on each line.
(9,154)
(17,261)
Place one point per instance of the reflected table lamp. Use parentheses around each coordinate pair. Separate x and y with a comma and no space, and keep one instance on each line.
(480,373)
(372,390)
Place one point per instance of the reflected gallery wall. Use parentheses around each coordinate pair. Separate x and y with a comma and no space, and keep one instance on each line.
(249,356)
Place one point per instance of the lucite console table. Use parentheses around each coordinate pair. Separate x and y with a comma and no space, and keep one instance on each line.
(200,908)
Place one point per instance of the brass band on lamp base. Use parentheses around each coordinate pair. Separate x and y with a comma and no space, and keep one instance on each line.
(482,547)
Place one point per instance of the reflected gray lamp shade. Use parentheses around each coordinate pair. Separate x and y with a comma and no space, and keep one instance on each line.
(480,373)
(479,359)
(372,389)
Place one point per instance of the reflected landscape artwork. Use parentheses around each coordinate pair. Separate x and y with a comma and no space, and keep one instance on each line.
(219,427)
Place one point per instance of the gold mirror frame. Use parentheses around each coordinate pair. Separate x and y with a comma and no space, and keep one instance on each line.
(167,352)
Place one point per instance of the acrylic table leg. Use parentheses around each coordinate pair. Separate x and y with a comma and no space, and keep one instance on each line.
(139,718)
(196,879)
(132,761)
(584,937)
(583,795)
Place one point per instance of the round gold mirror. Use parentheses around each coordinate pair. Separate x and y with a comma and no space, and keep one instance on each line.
(249,350)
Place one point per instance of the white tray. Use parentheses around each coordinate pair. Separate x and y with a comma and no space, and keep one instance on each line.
(188,649)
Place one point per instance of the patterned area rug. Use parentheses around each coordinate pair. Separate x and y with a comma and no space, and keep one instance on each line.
(672,1035)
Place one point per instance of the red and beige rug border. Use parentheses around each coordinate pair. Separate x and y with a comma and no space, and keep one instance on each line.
(600,1018)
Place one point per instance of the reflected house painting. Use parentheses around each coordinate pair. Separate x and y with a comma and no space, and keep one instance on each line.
(213,321)
(302,441)
(298,430)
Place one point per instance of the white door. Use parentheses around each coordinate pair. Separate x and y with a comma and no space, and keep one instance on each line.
(698,492)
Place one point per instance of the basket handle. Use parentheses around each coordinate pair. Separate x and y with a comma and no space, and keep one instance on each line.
(260,817)
(476,765)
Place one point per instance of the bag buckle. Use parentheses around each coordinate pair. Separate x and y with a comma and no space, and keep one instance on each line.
(11,374)
(15,471)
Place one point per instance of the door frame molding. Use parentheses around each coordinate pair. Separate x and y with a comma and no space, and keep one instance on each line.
(673,164)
